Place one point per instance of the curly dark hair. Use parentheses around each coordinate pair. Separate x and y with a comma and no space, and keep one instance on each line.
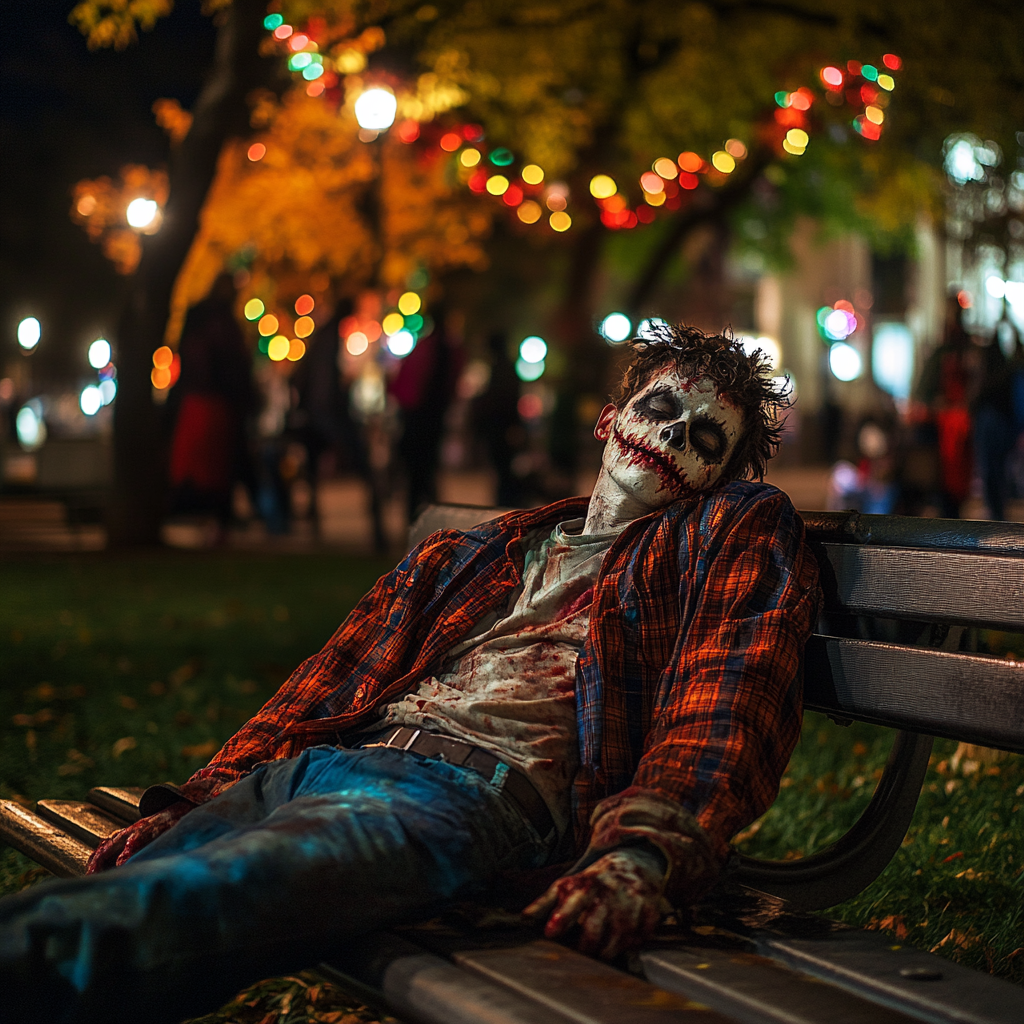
(746,380)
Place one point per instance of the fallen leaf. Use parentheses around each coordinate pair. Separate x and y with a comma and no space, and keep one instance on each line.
(121,746)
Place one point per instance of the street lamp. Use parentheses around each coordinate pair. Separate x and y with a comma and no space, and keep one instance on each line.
(142,214)
(376,109)
(29,333)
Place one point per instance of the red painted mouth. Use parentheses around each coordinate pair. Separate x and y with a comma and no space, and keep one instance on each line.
(639,454)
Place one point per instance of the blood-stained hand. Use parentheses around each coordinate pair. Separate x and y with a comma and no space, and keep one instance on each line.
(615,902)
(115,850)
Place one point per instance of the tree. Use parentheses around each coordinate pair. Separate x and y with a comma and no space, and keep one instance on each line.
(589,87)
(136,503)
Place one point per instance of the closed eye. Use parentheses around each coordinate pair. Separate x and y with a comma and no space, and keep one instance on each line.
(708,440)
(658,405)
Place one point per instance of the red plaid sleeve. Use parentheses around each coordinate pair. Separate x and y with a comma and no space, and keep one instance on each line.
(729,703)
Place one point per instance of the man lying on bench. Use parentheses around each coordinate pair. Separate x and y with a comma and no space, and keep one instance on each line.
(613,683)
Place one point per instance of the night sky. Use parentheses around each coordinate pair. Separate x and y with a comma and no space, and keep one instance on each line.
(65,114)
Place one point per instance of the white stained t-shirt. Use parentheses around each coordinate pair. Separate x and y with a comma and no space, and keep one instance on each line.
(510,686)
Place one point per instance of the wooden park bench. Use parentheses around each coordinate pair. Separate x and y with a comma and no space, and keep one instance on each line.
(894,647)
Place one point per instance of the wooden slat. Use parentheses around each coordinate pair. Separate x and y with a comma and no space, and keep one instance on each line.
(83,821)
(915,532)
(583,990)
(120,801)
(753,989)
(960,696)
(423,987)
(43,842)
(922,984)
(930,586)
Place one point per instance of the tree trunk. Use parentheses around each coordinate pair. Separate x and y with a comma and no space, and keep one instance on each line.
(137,502)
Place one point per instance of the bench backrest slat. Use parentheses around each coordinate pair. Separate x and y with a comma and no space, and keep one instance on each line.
(927,585)
(965,697)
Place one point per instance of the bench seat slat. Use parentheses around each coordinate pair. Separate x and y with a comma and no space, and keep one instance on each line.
(42,841)
(754,989)
(120,801)
(923,984)
(84,821)
(960,696)
(930,586)
(585,990)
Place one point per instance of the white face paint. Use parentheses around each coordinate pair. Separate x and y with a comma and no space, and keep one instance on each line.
(675,437)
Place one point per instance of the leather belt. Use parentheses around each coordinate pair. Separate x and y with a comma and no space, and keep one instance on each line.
(446,748)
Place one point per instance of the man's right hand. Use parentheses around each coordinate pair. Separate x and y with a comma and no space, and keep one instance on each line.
(115,850)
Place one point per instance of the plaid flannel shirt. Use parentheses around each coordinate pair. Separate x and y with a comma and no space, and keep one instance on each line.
(688,693)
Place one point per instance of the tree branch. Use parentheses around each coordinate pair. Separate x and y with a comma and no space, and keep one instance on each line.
(707,206)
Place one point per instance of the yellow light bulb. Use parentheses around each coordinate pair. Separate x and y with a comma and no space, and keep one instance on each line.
(560,221)
(392,322)
(723,162)
(409,303)
(601,187)
(278,348)
(532,174)
(797,138)
(469,157)
(497,184)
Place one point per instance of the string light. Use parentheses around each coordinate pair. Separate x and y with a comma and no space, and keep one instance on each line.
(278,348)
(497,184)
(663,185)
(409,303)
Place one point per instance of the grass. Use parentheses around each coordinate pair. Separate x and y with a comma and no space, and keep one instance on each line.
(130,671)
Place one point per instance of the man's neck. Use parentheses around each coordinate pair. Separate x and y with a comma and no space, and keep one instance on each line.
(611,508)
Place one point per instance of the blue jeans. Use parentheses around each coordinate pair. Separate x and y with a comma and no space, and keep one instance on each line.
(267,878)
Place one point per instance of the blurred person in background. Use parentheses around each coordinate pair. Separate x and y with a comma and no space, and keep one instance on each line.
(322,419)
(209,405)
(273,491)
(424,388)
(944,389)
(992,420)
(496,421)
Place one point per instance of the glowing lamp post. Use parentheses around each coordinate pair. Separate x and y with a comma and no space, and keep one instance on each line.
(29,333)
(143,215)
(375,111)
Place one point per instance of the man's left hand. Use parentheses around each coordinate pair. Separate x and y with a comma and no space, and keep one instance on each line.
(615,902)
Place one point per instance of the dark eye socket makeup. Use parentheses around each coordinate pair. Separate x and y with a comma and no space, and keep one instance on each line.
(659,404)
(708,439)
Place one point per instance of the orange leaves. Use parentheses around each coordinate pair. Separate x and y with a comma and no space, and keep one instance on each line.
(107,23)
(100,206)
(173,119)
(894,923)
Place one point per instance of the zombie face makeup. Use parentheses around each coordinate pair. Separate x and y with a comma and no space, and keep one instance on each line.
(674,437)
